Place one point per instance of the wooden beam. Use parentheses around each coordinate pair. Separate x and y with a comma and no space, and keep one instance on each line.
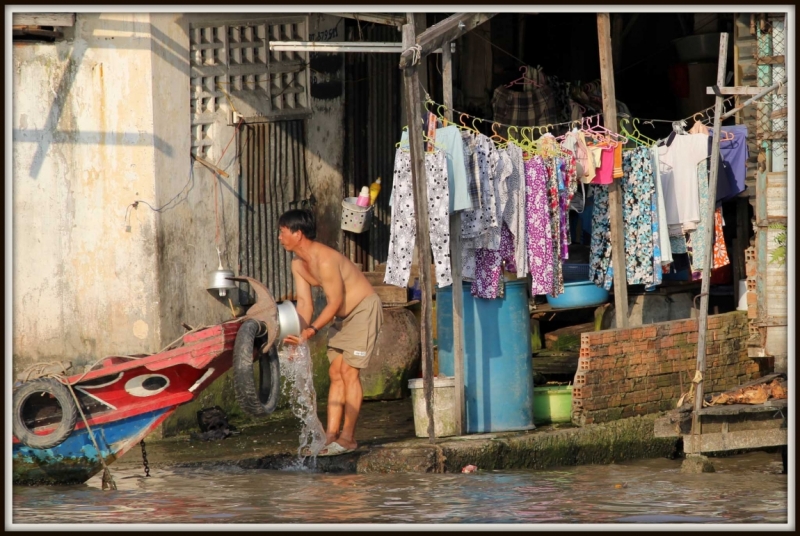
(614,190)
(377,18)
(455,261)
(420,197)
(445,31)
(708,239)
(44,19)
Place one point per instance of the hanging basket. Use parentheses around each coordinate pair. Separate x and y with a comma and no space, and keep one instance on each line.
(355,219)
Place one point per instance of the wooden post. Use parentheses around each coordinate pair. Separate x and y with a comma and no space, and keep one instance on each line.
(455,261)
(614,189)
(420,198)
(708,239)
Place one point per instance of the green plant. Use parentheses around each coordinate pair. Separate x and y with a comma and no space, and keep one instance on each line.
(778,256)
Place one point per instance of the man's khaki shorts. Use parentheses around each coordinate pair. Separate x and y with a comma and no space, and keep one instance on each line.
(355,336)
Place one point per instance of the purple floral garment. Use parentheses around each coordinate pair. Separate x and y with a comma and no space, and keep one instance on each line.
(540,234)
(489,267)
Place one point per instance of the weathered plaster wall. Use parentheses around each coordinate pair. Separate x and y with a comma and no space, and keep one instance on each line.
(84,148)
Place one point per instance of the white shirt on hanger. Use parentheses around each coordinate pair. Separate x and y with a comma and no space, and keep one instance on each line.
(678,168)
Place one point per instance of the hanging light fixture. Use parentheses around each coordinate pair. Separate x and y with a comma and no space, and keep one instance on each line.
(219,279)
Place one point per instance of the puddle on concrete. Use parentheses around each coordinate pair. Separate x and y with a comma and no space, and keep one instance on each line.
(745,489)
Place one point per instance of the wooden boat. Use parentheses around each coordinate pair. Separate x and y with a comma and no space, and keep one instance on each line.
(124,398)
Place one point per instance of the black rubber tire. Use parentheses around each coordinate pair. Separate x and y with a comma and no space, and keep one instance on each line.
(69,413)
(264,400)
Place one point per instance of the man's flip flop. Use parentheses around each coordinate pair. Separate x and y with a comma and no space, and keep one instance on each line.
(334,449)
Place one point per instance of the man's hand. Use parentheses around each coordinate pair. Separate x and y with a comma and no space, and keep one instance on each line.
(305,335)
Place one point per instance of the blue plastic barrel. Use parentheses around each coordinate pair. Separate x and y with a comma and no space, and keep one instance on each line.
(498,370)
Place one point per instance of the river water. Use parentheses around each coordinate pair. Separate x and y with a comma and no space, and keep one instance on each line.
(747,488)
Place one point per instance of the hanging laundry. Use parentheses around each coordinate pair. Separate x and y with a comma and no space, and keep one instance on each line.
(720,251)
(525,108)
(637,214)
(539,231)
(696,238)
(735,154)
(600,270)
(489,267)
(554,215)
(514,214)
(472,169)
(664,240)
(678,170)
(474,223)
(403,231)
(450,141)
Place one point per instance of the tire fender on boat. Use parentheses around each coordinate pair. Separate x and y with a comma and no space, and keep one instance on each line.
(248,346)
(69,413)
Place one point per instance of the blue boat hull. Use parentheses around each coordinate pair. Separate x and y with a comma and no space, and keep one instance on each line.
(76,460)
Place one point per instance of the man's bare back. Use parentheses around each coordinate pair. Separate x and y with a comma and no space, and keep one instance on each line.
(325,259)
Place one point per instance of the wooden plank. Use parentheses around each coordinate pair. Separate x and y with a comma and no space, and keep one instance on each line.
(742,90)
(44,19)
(674,424)
(771,60)
(737,409)
(556,363)
(763,379)
(460,407)
(391,293)
(746,439)
(614,191)
(708,239)
(418,178)
(442,32)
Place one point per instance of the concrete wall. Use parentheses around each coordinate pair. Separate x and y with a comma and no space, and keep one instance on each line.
(641,370)
(84,150)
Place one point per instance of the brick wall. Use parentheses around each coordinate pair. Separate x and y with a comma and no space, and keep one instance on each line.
(641,370)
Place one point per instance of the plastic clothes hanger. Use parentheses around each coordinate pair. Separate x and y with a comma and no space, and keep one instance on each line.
(624,131)
(648,141)
(496,137)
(524,80)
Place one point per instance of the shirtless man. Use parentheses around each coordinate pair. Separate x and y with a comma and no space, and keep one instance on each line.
(353,307)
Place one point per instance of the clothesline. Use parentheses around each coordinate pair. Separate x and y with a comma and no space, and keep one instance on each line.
(428,99)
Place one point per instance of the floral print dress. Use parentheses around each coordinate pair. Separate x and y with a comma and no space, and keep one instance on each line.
(637,214)
(538,229)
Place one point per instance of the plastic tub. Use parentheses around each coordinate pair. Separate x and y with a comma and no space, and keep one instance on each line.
(579,294)
(552,404)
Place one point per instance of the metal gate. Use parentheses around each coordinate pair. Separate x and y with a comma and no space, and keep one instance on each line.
(273,180)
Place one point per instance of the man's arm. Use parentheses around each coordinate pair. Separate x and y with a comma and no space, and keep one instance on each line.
(305,305)
(333,285)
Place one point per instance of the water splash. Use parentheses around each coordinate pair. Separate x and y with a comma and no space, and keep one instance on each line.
(297,368)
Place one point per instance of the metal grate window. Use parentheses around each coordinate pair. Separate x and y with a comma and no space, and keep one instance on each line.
(232,62)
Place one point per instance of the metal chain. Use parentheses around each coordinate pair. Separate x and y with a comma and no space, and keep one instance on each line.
(144,459)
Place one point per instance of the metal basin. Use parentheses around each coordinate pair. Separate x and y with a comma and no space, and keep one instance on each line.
(288,320)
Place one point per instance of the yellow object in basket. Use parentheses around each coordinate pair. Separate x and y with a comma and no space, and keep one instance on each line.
(374,190)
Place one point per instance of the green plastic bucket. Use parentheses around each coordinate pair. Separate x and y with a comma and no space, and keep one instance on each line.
(552,404)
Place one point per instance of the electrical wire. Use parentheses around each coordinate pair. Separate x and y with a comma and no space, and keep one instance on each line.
(165,206)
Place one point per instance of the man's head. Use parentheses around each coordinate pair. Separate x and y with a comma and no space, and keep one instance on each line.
(292,223)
